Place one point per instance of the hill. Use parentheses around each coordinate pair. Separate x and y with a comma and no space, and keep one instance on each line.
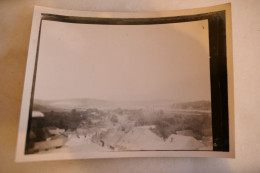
(196,105)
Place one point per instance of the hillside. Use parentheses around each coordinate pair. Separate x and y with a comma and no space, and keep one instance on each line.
(85,103)
(196,105)
(69,104)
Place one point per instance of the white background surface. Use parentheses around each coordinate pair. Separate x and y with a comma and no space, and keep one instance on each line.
(15,23)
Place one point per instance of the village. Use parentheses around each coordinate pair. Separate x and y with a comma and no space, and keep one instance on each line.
(119,129)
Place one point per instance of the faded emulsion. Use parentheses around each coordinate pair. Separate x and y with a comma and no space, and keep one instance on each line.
(218,65)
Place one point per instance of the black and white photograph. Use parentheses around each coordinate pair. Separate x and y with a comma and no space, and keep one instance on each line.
(141,91)
(123,86)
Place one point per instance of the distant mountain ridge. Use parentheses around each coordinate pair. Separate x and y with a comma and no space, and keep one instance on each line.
(69,104)
(85,103)
(195,105)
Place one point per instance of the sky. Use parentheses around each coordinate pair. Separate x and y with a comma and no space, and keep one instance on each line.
(120,62)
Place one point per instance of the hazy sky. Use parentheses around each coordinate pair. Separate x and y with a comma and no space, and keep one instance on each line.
(119,62)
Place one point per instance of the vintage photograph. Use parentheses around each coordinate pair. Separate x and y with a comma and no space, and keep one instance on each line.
(123,88)
(101,87)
